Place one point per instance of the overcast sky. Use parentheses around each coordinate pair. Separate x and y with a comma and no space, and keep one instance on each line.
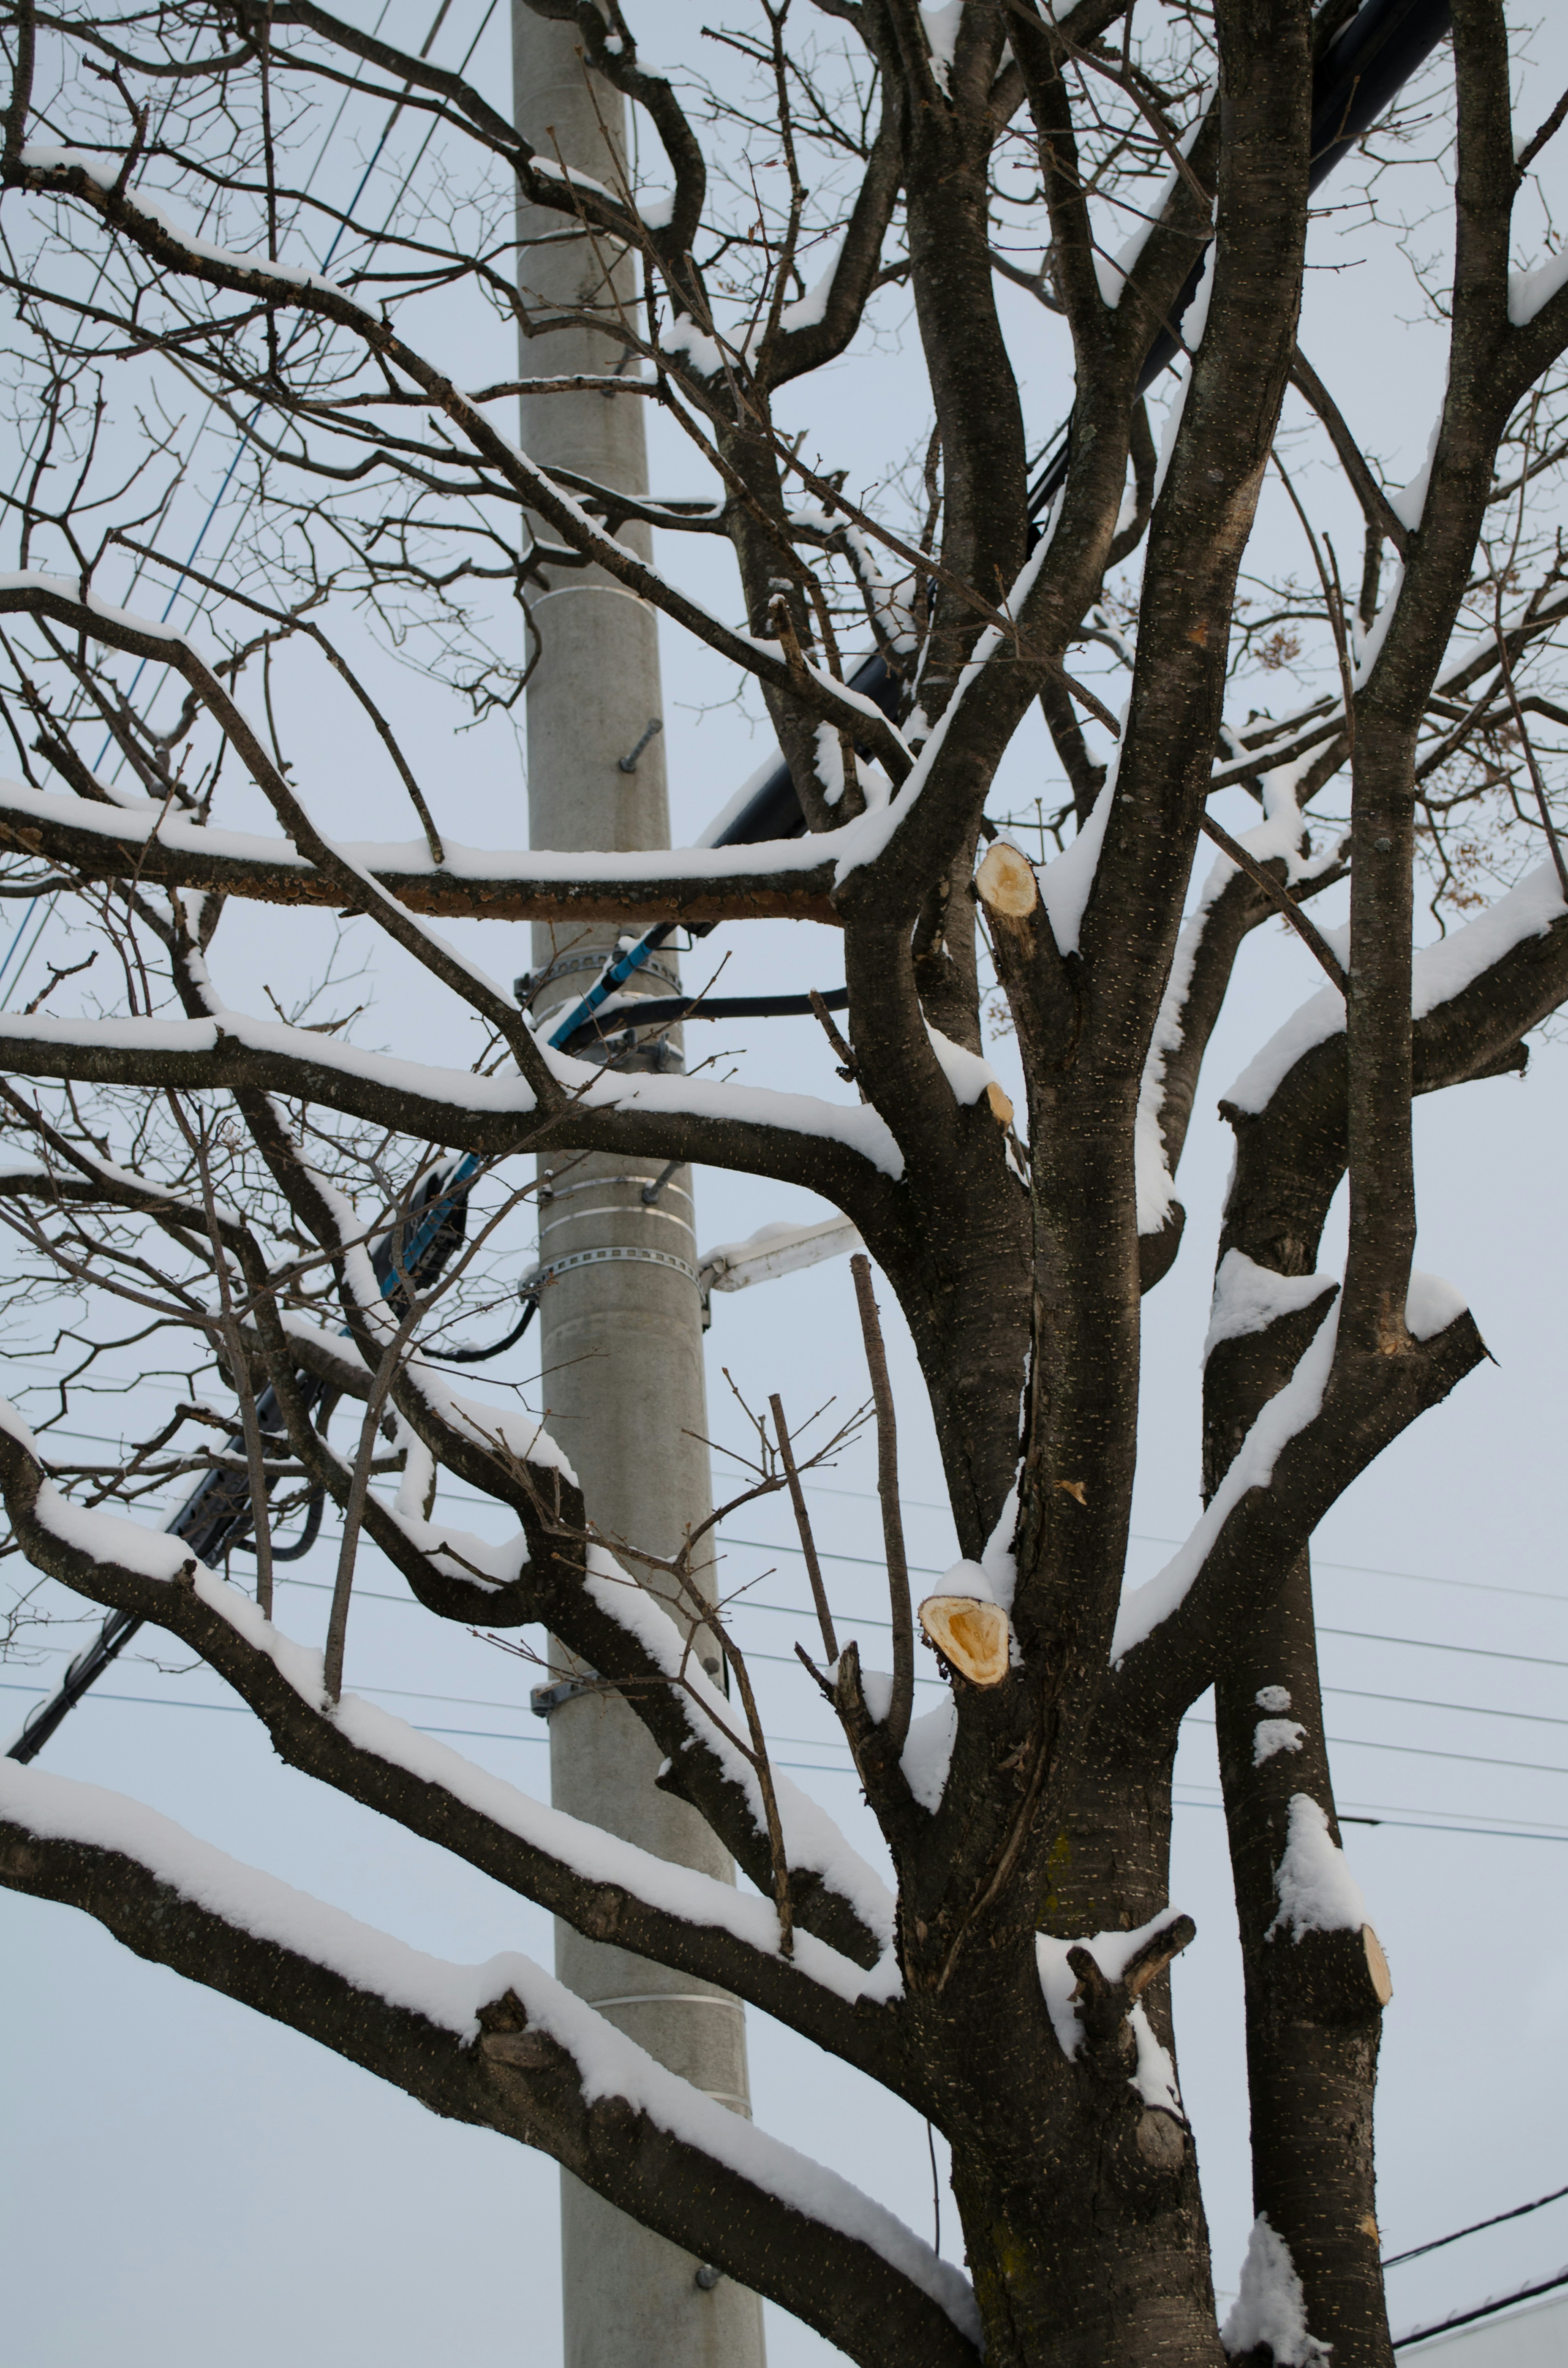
(180,2181)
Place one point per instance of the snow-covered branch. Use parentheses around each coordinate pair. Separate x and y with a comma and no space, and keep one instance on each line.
(504,2046)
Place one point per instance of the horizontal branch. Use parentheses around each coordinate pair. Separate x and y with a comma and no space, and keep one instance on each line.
(788,878)
(503,2047)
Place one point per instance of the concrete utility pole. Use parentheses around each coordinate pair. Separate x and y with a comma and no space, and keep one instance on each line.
(621,1337)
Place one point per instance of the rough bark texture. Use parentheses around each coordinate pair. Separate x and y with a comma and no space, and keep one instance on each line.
(1013,1241)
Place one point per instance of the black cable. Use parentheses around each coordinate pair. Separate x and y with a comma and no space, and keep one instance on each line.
(308,1535)
(1496,2220)
(483,1356)
(1482,2310)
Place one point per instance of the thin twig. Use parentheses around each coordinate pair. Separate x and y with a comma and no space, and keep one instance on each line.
(1278,897)
(803,1524)
(903,1700)
(1536,782)
(831,1030)
(763,1766)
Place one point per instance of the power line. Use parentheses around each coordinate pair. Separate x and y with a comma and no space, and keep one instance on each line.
(1423,1826)
(1437,2244)
(1482,2310)
(477,1701)
(1417,1751)
(1154,1538)
(50,903)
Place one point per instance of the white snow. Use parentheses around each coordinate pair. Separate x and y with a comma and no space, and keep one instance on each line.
(135,822)
(1313,1022)
(1273,1699)
(1111,1953)
(994,1578)
(1154,2075)
(968,1074)
(1317,1891)
(1438,973)
(1190,328)
(810,311)
(102,1537)
(1067,879)
(863,841)
(38,157)
(684,336)
(592,1853)
(1431,1305)
(1529,290)
(1408,506)
(928,1752)
(997,1560)
(855,1125)
(450,1997)
(1288,1412)
(1249,1297)
(1443,969)
(811,1839)
(941,26)
(1271,1735)
(1113,273)
(1279,835)
(1365,647)
(1270,2308)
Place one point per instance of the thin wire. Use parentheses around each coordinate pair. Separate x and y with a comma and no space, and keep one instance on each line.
(806,1767)
(202,428)
(1423,1826)
(1320,1562)
(1482,2310)
(1363,1635)
(1418,1751)
(1496,2221)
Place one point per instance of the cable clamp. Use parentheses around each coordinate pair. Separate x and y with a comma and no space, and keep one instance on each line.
(600,1258)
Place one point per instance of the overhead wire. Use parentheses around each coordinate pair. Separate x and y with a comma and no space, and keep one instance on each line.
(1391,2261)
(179,592)
(1488,2309)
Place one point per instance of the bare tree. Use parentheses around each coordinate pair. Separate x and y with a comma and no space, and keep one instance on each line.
(181,1166)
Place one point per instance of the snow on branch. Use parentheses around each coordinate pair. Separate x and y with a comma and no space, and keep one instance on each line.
(446,1106)
(1316,1889)
(1286,1414)
(1438,974)
(790,878)
(478,2011)
(1270,2310)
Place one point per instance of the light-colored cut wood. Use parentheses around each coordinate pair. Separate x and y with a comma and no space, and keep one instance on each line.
(1377,1967)
(1000,1108)
(969,1633)
(1007,882)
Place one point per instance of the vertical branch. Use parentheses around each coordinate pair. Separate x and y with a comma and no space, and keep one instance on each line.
(270,162)
(1530,758)
(250,1422)
(21,83)
(760,1761)
(354,1512)
(803,1524)
(903,1700)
